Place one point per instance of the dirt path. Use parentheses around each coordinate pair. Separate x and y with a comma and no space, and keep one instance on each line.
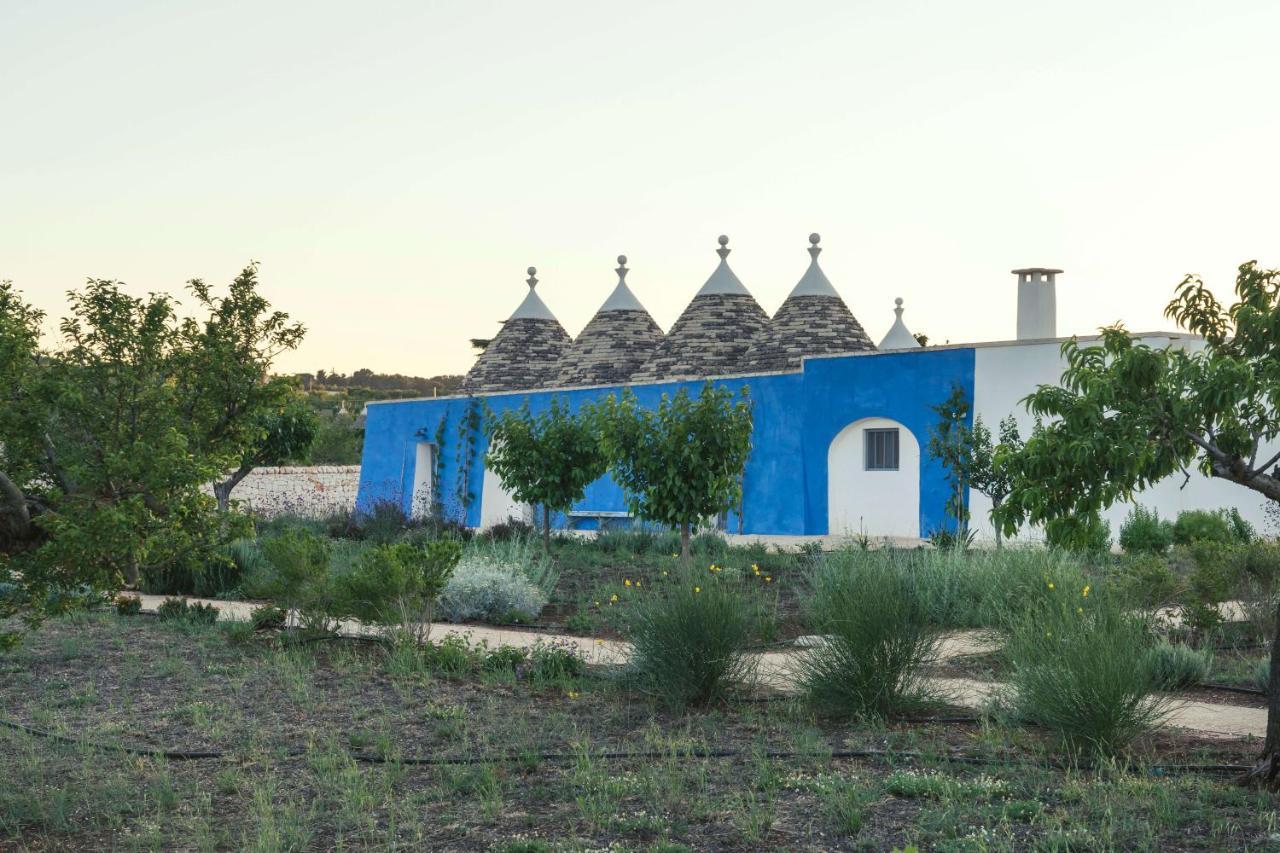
(774,668)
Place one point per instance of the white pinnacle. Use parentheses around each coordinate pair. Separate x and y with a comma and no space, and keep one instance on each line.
(532,308)
(722,279)
(622,299)
(899,337)
(814,282)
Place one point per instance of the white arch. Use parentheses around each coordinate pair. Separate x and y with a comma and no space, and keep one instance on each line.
(877,503)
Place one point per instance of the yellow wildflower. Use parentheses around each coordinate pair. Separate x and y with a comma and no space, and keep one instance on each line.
(755,568)
(597,604)
(1085,594)
(768,579)
(637,584)
(664,573)
(627,582)
(613,598)
(697,589)
(573,694)
(1050,584)
(599,642)
(1080,610)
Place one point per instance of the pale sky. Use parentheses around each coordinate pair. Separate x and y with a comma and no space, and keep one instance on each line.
(395,167)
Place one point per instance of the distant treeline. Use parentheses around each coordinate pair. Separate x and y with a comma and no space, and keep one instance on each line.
(425,386)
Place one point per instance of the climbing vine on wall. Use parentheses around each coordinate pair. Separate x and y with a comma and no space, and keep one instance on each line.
(468,428)
(437,470)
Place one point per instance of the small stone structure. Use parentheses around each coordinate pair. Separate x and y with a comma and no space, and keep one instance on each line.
(312,491)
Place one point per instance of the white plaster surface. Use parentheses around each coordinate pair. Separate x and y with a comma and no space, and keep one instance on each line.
(1005,375)
(881,503)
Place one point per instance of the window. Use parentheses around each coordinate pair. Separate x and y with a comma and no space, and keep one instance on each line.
(882,449)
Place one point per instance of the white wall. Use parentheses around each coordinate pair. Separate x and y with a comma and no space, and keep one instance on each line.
(881,503)
(497,504)
(1005,374)
(424,458)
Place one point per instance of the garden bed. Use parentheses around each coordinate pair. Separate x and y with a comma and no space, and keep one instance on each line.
(303,728)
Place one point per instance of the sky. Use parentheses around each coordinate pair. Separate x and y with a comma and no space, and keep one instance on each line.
(395,166)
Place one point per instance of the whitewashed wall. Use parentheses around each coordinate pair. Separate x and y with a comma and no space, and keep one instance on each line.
(313,491)
(1004,374)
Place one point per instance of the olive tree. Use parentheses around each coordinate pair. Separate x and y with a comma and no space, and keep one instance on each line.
(547,459)
(285,432)
(682,461)
(1126,415)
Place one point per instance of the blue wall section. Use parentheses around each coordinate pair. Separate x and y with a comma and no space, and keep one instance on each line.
(795,415)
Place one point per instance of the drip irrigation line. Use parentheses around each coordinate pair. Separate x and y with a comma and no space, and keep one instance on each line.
(1252,691)
(888,756)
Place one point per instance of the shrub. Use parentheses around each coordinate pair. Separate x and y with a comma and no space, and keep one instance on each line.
(267,617)
(299,577)
(1202,525)
(490,592)
(1147,581)
(128,605)
(518,556)
(1143,532)
(1093,536)
(172,609)
(688,639)
(555,662)
(397,585)
(1079,668)
(1174,666)
(1262,675)
(1261,562)
(202,614)
(876,639)
(383,523)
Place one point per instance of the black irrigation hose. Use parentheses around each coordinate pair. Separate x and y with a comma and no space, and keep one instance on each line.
(1252,691)
(622,755)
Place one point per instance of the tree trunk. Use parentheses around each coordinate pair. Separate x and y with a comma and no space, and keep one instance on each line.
(13,506)
(222,491)
(995,505)
(1266,773)
(684,543)
(546,530)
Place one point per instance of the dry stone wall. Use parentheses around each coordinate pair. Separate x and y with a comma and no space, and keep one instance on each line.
(313,491)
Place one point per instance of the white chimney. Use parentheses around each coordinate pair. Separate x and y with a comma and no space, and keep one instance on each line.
(1037,303)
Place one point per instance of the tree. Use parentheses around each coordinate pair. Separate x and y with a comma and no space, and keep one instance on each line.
(683,461)
(951,443)
(1126,415)
(989,471)
(285,433)
(547,459)
(106,442)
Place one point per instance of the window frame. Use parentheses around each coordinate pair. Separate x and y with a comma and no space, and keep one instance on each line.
(870,454)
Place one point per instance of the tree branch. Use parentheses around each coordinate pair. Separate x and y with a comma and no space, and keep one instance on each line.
(14,505)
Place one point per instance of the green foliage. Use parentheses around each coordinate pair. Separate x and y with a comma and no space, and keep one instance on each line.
(336,441)
(951,443)
(1143,532)
(1225,527)
(267,617)
(876,640)
(128,605)
(1148,582)
(1175,666)
(130,374)
(1080,667)
(397,585)
(286,427)
(681,462)
(180,610)
(299,578)
(548,459)
(1089,535)
(689,637)
(1126,415)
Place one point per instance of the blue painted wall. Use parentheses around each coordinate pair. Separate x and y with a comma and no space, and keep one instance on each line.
(795,415)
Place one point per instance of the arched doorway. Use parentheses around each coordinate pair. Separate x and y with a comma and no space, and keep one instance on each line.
(873,480)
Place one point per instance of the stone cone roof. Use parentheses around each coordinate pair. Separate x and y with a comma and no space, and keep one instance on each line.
(713,335)
(812,321)
(619,339)
(525,353)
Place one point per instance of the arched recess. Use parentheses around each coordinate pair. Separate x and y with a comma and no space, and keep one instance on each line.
(870,488)
(498,505)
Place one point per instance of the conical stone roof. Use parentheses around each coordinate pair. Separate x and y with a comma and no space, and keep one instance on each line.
(713,335)
(619,339)
(525,353)
(812,321)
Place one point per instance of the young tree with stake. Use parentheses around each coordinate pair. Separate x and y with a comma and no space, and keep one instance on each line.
(683,461)
(547,459)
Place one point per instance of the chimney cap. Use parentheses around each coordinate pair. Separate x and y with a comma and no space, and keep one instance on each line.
(1032,270)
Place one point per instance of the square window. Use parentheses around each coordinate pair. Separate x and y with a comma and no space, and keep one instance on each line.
(882,449)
